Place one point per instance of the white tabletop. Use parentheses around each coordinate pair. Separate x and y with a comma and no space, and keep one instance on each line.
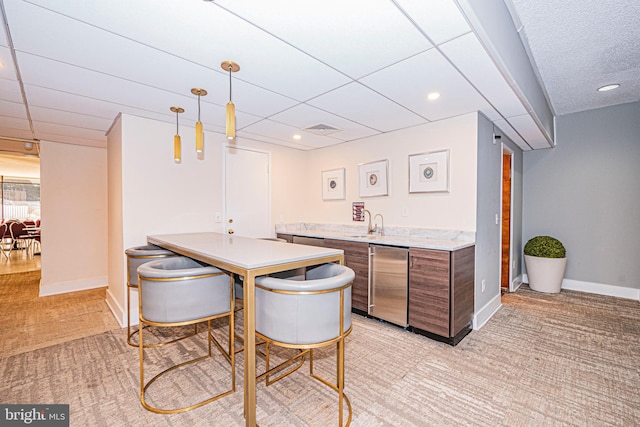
(245,252)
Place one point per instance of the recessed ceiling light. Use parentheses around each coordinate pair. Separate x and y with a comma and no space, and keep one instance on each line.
(297,137)
(608,87)
(433,96)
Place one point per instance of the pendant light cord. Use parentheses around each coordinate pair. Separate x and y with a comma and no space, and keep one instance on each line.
(230,83)
(198,107)
(177,132)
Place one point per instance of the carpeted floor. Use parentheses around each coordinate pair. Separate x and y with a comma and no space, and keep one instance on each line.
(543,360)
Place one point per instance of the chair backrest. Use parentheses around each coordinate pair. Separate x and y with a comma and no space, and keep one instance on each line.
(17,230)
(179,289)
(4,231)
(139,255)
(295,311)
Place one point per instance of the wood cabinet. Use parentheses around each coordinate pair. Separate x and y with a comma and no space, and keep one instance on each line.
(356,257)
(441,287)
(441,292)
(287,237)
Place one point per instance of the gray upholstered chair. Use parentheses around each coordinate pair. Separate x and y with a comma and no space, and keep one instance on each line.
(305,313)
(180,291)
(137,256)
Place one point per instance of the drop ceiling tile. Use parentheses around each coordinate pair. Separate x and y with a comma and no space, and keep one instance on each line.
(9,132)
(408,83)
(7,68)
(441,20)
(219,36)
(10,91)
(362,105)
(55,99)
(15,123)
(62,133)
(284,133)
(304,116)
(250,136)
(12,109)
(472,60)
(42,72)
(145,65)
(70,119)
(322,29)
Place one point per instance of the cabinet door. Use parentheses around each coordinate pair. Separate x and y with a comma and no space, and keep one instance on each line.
(360,287)
(356,257)
(462,288)
(429,290)
(287,237)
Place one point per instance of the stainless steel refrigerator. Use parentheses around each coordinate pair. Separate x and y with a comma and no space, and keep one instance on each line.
(388,283)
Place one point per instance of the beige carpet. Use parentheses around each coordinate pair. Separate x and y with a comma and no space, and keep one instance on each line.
(543,360)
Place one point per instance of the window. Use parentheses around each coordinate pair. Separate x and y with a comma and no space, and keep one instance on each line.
(20,198)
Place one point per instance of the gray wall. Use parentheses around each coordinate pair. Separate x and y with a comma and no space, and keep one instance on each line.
(487,232)
(586,192)
(488,251)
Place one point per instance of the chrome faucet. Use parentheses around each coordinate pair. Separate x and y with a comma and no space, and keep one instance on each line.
(370,229)
(381,230)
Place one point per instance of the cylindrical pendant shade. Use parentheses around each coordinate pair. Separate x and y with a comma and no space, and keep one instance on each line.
(199,137)
(231,120)
(177,149)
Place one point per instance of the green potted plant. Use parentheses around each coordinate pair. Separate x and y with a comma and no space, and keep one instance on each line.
(546,260)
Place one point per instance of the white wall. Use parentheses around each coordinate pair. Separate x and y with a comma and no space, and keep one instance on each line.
(151,194)
(73,194)
(158,196)
(116,293)
(455,210)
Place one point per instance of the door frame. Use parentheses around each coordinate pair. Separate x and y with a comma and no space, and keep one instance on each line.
(224,182)
(505,148)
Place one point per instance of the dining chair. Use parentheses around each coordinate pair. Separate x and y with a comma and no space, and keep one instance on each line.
(6,242)
(20,237)
(179,291)
(136,256)
(306,313)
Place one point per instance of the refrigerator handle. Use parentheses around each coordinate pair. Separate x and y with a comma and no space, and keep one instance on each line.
(370,303)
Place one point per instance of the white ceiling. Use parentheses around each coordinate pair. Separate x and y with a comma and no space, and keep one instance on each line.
(362,66)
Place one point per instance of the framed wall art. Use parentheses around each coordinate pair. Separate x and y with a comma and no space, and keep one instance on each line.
(429,172)
(373,178)
(333,184)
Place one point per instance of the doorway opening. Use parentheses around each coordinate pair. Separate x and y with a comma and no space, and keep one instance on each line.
(506,235)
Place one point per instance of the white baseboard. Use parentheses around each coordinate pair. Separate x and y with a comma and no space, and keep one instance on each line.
(73,286)
(517,282)
(482,316)
(116,309)
(597,288)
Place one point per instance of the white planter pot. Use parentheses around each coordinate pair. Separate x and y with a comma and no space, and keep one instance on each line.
(545,274)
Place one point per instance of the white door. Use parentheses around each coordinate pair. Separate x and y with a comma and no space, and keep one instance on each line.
(247,192)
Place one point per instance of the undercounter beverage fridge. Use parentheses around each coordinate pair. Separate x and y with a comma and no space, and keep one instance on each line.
(388,283)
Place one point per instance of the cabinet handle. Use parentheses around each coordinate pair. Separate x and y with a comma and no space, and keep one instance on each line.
(411,263)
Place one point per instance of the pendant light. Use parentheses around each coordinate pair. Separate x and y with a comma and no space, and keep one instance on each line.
(199,133)
(231,67)
(177,145)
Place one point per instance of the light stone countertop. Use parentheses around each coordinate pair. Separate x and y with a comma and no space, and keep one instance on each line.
(445,240)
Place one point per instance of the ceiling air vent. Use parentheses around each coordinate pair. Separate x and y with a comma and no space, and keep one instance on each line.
(321,129)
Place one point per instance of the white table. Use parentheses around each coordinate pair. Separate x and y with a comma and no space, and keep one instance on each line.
(250,258)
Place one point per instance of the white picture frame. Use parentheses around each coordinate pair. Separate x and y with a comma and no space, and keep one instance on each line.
(373,178)
(333,185)
(429,172)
